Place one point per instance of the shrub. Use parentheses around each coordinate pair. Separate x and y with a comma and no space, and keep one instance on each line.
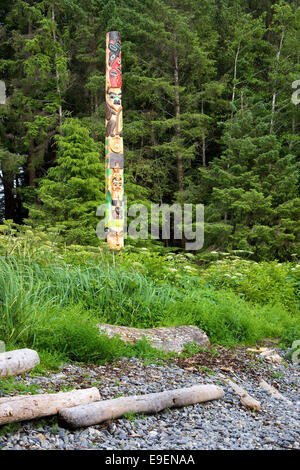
(262,283)
(54,301)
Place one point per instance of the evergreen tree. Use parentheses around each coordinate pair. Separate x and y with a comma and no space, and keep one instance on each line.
(72,190)
(252,184)
(208,116)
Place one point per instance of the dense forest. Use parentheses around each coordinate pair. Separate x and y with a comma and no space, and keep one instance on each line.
(211,101)
(208,115)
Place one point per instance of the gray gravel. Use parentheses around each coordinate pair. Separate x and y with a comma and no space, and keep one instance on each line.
(221,424)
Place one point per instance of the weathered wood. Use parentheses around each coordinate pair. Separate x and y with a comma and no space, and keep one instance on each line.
(273,391)
(18,361)
(245,399)
(35,406)
(88,415)
(114,161)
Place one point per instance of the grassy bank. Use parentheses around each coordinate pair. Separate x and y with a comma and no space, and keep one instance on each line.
(52,299)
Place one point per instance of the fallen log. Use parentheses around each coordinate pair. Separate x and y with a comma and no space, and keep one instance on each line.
(94,413)
(245,399)
(35,406)
(18,361)
(273,391)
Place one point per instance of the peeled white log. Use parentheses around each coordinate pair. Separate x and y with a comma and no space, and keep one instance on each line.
(18,361)
(245,398)
(88,415)
(26,407)
(273,391)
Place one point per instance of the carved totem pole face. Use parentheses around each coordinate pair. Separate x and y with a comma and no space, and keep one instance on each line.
(115,239)
(113,98)
(114,142)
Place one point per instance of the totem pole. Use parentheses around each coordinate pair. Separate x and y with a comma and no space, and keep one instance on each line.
(114,161)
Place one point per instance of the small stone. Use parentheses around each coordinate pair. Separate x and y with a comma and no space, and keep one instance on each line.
(95,434)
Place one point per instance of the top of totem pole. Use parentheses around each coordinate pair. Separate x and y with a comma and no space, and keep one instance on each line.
(114,35)
(114,68)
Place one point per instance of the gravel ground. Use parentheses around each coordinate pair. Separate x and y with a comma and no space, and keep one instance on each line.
(220,424)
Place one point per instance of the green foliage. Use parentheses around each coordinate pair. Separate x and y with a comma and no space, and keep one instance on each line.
(10,385)
(254,190)
(262,283)
(229,320)
(73,334)
(208,116)
(9,428)
(54,305)
(131,416)
(50,360)
(72,190)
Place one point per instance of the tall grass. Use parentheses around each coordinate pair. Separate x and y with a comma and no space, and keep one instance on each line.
(55,307)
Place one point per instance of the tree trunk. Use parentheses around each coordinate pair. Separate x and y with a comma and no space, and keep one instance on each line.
(30,164)
(94,67)
(9,200)
(94,413)
(60,113)
(274,97)
(203,139)
(18,361)
(178,127)
(18,204)
(177,116)
(35,406)
(234,76)
(291,143)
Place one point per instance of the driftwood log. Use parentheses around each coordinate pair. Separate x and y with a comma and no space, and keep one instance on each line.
(18,361)
(273,391)
(245,399)
(94,413)
(35,406)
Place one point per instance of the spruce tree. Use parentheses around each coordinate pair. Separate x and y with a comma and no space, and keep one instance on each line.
(253,190)
(73,189)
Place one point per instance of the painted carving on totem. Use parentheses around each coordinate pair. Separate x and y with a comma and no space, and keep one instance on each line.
(114,159)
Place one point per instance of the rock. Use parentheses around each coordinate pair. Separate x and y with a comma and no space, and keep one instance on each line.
(170,338)
(95,434)
(60,376)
